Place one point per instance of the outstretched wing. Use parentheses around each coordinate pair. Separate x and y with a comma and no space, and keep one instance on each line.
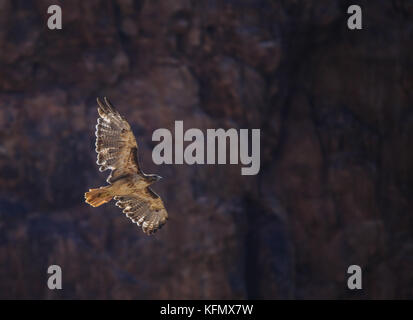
(115,143)
(146,209)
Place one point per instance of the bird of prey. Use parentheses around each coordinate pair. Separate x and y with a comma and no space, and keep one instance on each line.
(118,151)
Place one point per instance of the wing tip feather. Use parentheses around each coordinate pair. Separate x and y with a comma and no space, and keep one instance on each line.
(106,107)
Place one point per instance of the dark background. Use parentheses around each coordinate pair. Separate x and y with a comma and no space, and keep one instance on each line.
(335,111)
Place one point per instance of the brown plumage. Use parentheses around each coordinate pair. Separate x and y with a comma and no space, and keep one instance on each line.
(118,151)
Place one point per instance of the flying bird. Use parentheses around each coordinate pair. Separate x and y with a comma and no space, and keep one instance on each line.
(118,151)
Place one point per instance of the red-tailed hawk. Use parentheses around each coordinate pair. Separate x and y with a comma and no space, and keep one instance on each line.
(118,151)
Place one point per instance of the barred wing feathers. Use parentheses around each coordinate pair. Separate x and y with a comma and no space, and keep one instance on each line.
(146,209)
(115,143)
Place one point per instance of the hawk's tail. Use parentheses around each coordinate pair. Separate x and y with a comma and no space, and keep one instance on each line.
(97,197)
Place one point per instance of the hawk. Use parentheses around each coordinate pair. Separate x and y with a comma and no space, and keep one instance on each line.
(118,151)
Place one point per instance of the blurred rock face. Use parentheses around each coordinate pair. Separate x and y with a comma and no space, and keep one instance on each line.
(336,179)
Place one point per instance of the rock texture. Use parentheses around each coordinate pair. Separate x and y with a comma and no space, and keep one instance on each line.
(335,111)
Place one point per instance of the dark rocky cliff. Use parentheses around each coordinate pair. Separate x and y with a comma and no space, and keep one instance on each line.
(335,111)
